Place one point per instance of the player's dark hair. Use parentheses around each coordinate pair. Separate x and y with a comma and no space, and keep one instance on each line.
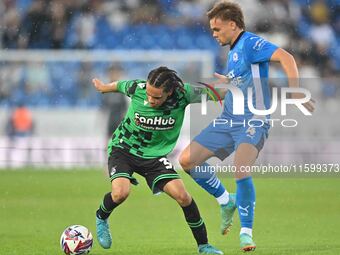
(165,78)
(225,10)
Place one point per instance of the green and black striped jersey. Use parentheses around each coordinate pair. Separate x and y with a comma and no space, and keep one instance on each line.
(149,132)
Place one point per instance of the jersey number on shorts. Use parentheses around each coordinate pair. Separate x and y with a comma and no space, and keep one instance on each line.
(166,163)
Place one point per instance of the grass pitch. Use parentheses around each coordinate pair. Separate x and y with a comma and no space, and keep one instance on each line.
(293,216)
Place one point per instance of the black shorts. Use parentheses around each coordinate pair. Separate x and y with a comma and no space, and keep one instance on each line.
(157,171)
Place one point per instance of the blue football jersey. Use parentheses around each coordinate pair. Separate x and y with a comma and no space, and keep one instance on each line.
(248,66)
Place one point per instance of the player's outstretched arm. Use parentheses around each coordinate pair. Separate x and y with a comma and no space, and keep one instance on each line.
(105,88)
(288,64)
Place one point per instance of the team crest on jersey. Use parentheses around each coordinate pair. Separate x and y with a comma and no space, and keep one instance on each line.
(155,122)
(235,57)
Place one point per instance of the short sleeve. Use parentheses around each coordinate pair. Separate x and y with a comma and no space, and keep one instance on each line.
(128,87)
(258,50)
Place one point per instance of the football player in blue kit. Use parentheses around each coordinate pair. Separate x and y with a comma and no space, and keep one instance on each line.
(247,67)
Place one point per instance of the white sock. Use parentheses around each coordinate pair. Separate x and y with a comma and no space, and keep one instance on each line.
(223,199)
(247,231)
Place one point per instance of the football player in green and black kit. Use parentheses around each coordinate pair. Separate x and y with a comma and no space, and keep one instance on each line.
(147,134)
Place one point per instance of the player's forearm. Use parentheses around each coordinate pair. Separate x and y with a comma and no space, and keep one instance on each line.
(105,88)
(110,87)
(222,92)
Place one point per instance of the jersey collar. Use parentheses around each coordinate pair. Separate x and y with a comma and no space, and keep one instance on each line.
(237,39)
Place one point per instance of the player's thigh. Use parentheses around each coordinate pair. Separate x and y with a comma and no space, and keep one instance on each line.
(120,165)
(249,143)
(120,173)
(212,141)
(217,139)
(157,173)
(193,155)
(176,189)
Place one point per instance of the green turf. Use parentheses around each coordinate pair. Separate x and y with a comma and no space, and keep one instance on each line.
(293,216)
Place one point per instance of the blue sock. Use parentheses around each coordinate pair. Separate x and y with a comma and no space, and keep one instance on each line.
(245,200)
(207,179)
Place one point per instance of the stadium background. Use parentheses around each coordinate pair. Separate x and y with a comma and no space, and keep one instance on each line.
(133,37)
(50,51)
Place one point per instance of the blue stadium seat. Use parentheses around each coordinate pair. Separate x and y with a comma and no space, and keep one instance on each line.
(23,5)
(304,27)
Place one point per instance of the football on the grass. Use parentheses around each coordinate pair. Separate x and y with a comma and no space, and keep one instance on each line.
(76,239)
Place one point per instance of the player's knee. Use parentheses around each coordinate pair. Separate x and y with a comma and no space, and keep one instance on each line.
(183,198)
(185,162)
(241,172)
(119,195)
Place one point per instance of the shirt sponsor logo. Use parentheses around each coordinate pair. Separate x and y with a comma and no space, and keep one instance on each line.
(155,122)
(234,80)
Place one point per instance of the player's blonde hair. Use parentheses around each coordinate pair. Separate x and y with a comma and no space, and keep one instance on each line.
(226,10)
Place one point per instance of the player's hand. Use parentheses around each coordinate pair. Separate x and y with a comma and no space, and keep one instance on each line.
(221,79)
(310,105)
(99,85)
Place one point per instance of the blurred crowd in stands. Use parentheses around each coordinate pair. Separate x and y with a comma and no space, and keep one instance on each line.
(310,30)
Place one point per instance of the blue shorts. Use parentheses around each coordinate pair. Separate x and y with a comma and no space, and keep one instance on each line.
(223,140)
